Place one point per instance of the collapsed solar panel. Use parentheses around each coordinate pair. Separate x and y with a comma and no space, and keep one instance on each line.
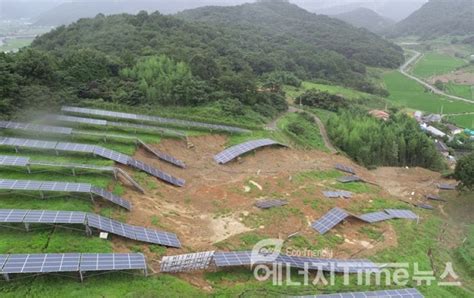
(32,185)
(400,213)
(75,147)
(345,169)
(435,198)
(337,194)
(375,217)
(330,220)
(112,155)
(240,149)
(155,172)
(400,293)
(425,206)
(186,262)
(155,119)
(35,127)
(348,179)
(166,157)
(267,204)
(70,262)
(6,160)
(90,220)
(445,186)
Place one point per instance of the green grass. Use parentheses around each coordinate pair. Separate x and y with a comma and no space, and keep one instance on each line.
(410,94)
(466,121)
(309,138)
(436,64)
(465,91)
(465,252)
(15,44)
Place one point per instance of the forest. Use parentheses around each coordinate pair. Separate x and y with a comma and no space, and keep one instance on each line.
(153,59)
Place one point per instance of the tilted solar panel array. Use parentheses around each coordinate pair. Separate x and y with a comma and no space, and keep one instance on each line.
(348,179)
(398,213)
(33,185)
(6,160)
(35,127)
(375,217)
(435,198)
(70,262)
(400,293)
(445,186)
(345,169)
(91,220)
(425,206)
(329,220)
(266,204)
(166,157)
(96,150)
(155,119)
(240,149)
(73,119)
(186,262)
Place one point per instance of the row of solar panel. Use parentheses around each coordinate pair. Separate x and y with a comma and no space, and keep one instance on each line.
(35,127)
(202,260)
(398,293)
(101,122)
(155,119)
(96,150)
(70,262)
(336,215)
(33,185)
(92,220)
(240,149)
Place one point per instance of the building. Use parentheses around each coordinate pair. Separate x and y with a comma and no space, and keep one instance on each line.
(442,148)
(432,130)
(418,116)
(432,118)
(453,129)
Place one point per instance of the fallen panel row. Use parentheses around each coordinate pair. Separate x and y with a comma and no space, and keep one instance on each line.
(399,293)
(90,220)
(240,149)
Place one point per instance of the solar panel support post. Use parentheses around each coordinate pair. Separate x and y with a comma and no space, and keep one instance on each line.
(6,276)
(73,171)
(41,195)
(145,271)
(92,198)
(88,230)
(81,276)
(16,149)
(27,226)
(28,169)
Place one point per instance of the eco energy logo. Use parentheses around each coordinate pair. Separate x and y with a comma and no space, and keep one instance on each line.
(269,264)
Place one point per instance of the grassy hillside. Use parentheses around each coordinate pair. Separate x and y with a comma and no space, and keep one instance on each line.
(436,64)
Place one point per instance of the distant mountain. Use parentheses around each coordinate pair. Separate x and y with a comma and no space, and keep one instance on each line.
(68,12)
(292,24)
(437,18)
(23,9)
(366,18)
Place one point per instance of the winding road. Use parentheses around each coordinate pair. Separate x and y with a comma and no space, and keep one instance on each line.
(417,55)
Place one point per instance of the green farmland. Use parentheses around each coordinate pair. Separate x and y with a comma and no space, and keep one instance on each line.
(436,64)
(465,91)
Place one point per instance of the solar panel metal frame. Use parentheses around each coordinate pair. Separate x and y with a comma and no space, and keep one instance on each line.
(402,213)
(374,217)
(266,204)
(243,148)
(330,220)
(8,160)
(107,262)
(345,169)
(400,293)
(186,262)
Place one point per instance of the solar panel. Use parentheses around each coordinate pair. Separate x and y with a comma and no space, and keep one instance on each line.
(35,127)
(111,226)
(147,127)
(266,204)
(425,206)
(106,262)
(345,169)
(111,197)
(110,154)
(186,262)
(435,198)
(155,172)
(337,194)
(233,258)
(20,184)
(167,157)
(3,260)
(6,160)
(329,220)
(331,265)
(156,119)
(75,147)
(348,179)
(237,150)
(398,213)
(445,186)
(73,119)
(65,187)
(41,263)
(400,293)
(27,143)
(157,237)
(375,217)
(55,217)
(12,215)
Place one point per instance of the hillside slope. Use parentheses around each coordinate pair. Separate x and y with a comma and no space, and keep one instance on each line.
(365,18)
(293,24)
(439,17)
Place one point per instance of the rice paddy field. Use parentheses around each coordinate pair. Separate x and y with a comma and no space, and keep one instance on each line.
(436,64)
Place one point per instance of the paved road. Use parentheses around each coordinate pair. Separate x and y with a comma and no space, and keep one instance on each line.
(403,70)
(273,126)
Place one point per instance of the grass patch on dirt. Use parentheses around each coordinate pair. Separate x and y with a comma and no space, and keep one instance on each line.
(269,216)
(317,176)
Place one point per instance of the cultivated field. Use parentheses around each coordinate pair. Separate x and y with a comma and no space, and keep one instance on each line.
(436,64)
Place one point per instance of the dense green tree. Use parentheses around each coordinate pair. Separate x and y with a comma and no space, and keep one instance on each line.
(322,100)
(464,171)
